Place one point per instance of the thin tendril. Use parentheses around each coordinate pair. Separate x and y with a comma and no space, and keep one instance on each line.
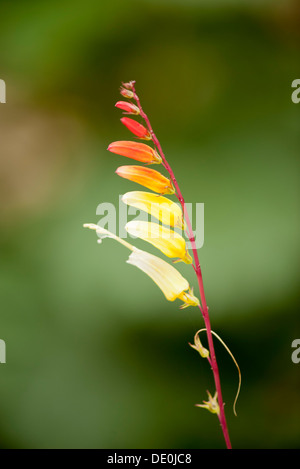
(235,362)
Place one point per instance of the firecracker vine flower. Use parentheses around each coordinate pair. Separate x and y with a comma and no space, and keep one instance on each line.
(137,129)
(167,241)
(135,150)
(164,238)
(165,210)
(147,177)
(167,278)
(128,107)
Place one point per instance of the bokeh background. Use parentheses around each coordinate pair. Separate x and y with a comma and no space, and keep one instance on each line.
(96,357)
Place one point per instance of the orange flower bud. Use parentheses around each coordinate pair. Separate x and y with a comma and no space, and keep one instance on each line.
(129,107)
(147,177)
(136,151)
(137,129)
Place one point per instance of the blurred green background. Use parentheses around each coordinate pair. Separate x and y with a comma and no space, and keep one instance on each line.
(96,357)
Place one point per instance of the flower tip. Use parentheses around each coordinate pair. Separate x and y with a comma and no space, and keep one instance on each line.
(92,226)
(118,171)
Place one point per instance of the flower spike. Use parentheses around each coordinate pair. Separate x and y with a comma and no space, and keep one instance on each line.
(136,128)
(147,177)
(135,150)
(168,279)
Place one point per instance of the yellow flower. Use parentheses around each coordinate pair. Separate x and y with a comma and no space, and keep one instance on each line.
(167,241)
(157,206)
(167,278)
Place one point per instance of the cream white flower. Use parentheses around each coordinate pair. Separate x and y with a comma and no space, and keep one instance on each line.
(167,278)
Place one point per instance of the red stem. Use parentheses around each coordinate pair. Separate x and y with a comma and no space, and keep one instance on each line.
(204,309)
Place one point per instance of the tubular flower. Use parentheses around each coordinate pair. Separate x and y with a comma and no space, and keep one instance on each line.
(136,128)
(147,177)
(157,206)
(129,107)
(167,241)
(135,150)
(166,277)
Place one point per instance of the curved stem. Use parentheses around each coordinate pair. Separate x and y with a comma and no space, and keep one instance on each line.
(203,308)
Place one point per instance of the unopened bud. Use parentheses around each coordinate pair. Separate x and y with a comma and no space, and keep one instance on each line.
(127,106)
(126,93)
(136,128)
(129,85)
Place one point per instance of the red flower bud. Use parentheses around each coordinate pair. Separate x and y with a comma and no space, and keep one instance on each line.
(129,107)
(137,129)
